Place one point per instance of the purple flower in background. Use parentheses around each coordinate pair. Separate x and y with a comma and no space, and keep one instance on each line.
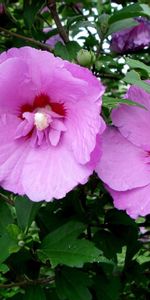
(2,8)
(125,163)
(79,5)
(49,123)
(133,38)
(53,40)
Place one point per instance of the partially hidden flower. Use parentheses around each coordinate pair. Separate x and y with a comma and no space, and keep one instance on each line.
(133,38)
(125,163)
(49,123)
(2,8)
(53,40)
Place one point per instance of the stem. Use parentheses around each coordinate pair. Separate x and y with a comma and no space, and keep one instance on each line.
(99,48)
(52,7)
(26,282)
(7,199)
(28,39)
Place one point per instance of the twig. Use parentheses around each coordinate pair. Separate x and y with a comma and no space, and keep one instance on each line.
(7,199)
(28,39)
(41,281)
(51,4)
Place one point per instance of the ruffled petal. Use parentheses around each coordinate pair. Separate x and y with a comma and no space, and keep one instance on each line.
(122,166)
(13,154)
(133,122)
(50,75)
(136,202)
(94,89)
(16,86)
(83,124)
(51,173)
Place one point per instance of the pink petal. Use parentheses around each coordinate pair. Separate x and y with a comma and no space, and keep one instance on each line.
(134,122)
(50,74)
(16,87)
(12,155)
(136,202)
(58,125)
(51,173)
(61,80)
(23,129)
(54,137)
(94,89)
(122,166)
(83,125)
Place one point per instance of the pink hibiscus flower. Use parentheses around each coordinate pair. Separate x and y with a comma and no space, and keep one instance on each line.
(49,123)
(125,163)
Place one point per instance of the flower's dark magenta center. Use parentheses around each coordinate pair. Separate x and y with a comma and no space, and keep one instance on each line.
(42,122)
(42,101)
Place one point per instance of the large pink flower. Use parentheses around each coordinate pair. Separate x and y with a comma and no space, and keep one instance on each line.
(125,163)
(49,123)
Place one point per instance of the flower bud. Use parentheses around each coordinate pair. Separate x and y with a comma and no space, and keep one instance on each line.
(21,243)
(86,58)
(20,236)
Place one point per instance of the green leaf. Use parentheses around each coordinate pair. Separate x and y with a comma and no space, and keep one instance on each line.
(4,268)
(34,293)
(68,52)
(61,51)
(116,217)
(130,11)
(136,64)
(114,102)
(62,247)
(9,242)
(73,48)
(108,243)
(30,11)
(5,217)
(122,24)
(26,211)
(74,19)
(72,284)
(133,77)
(146,9)
(107,288)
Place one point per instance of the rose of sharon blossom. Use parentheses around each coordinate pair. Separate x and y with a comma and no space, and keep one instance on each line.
(49,123)
(53,40)
(132,39)
(125,163)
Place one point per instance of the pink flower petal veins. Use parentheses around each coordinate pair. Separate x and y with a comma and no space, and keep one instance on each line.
(49,112)
(125,163)
(133,122)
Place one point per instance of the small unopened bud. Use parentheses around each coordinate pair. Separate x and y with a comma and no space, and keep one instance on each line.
(86,58)
(20,236)
(21,243)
